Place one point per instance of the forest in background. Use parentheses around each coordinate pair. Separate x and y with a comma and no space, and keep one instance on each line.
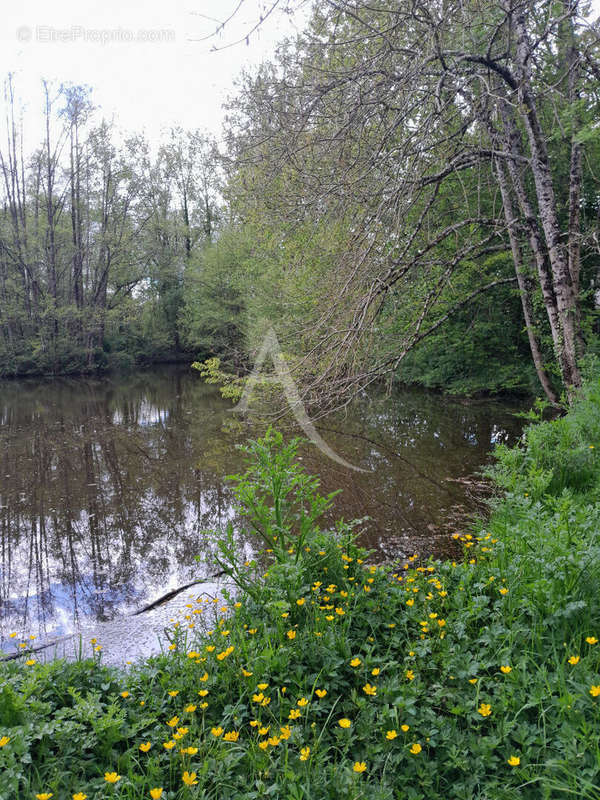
(404,193)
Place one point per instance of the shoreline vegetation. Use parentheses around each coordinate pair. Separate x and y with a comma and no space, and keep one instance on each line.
(328,677)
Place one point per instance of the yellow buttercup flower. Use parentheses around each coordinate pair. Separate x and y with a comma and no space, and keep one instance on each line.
(263,745)
(415,748)
(300,601)
(574,660)
(125,694)
(514,761)
(156,794)
(203,692)
(369,690)
(79,796)
(359,766)
(273,741)
(245,673)
(264,730)
(302,702)
(356,662)
(189,751)
(391,735)
(216,731)
(172,723)
(145,746)
(30,662)
(189,778)
(321,693)
(485,709)
(594,691)
(190,709)
(295,713)
(44,796)
(375,671)
(291,634)
(169,745)
(262,686)
(404,728)
(591,640)
(111,777)
(231,736)
(410,675)
(344,723)
(4,741)
(174,693)
(304,753)
(505,669)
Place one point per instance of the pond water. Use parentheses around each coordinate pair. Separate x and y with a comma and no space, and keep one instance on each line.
(109,486)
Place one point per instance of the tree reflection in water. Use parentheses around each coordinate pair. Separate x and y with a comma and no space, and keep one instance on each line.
(107,487)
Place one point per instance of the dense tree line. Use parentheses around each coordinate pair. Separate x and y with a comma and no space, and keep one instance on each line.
(96,234)
(408,192)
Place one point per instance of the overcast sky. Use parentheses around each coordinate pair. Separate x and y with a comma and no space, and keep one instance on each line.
(145,84)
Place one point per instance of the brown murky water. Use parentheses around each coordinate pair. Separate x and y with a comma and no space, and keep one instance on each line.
(109,486)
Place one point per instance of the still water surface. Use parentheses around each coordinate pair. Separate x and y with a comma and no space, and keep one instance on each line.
(109,486)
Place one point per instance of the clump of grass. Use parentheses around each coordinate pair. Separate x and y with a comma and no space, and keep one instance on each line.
(330,677)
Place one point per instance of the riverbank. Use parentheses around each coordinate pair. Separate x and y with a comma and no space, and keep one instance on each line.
(331,678)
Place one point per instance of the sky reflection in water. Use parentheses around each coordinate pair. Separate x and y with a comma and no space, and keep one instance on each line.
(109,486)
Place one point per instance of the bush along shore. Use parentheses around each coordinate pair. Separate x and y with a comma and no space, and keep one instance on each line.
(328,677)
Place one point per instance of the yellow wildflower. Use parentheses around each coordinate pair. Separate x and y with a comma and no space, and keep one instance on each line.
(321,693)
(291,634)
(369,690)
(404,728)
(111,777)
(4,741)
(391,735)
(344,723)
(304,753)
(169,745)
(156,793)
(514,761)
(231,736)
(190,709)
(356,662)
(591,640)
(189,778)
(574,660)
(359,766)
(216,731)
(485,709)
(594,691)
(505,668)
(172,723)
(145,746)
(415,748)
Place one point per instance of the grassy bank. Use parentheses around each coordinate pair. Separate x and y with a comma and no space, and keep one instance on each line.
(329,677)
